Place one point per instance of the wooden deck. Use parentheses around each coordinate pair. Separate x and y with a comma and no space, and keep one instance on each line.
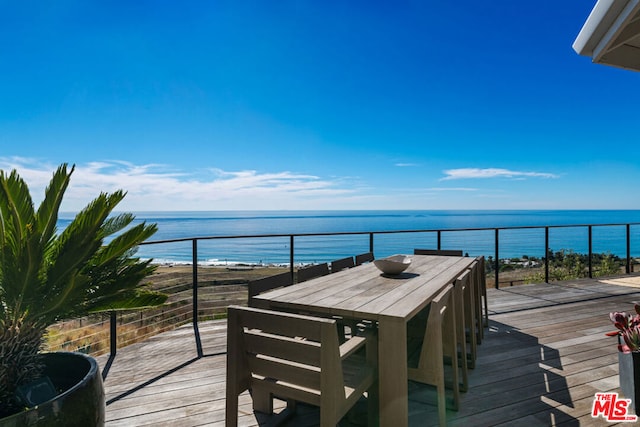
(541,362)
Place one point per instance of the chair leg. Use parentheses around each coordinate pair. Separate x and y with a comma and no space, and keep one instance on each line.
(470,325)
(461,339)
(343,324)
(441,391)
(452,348)
(231,411)
(478,303)
(262,400)
(235,369)
(373,396)
(373,405)
(483,281)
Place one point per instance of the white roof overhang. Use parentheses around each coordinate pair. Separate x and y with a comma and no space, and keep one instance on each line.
(611,34)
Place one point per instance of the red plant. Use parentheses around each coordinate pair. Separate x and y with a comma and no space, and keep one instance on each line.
(628,326)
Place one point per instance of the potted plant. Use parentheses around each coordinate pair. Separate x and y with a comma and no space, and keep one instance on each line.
(46,277)
(628,333)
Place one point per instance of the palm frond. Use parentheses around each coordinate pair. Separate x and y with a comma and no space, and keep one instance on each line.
(130,299)
(117,223)
(124,243)
(21,254)
(77,243)
(17,205)
(47,215)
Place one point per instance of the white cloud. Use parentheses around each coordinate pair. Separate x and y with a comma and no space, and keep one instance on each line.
(467,173)
(37,174)
(452,189)
(157,187)
(406,165)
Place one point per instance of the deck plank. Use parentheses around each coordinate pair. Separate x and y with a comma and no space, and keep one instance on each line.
(543,358)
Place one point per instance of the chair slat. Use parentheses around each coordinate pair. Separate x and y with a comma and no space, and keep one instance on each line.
(292,391)
(295,373)
(317,270)
(341,264)
(277,323)
(301,350)
(258,286)
(365,257)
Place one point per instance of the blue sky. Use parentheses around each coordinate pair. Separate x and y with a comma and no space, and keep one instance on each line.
(316,105)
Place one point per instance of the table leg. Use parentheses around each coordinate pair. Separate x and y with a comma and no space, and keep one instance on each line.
(393,380)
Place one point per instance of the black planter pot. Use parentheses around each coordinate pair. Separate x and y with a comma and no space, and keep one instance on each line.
(80,401)
(629,370)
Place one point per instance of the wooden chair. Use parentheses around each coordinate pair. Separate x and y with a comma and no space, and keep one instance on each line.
(462,287)
(341,264)
(428,364)
(365,257)
(446,252)
(471,316)
(297,358)
(479,286)
(268,283)
(316,270)
(476,284)
(483,290)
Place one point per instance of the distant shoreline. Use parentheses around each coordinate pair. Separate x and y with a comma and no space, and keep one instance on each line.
(323,235)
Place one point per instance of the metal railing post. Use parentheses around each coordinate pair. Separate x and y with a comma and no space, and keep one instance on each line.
(590,251)
(546,255)
(113,337)
(371,242)
(291,254)
(497,261)
(113,348)
(628,269)
(196,330)
(439,239)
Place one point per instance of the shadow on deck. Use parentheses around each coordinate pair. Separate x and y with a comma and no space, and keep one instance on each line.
(541,362)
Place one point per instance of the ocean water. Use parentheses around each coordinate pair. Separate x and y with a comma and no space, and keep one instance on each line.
(607,238)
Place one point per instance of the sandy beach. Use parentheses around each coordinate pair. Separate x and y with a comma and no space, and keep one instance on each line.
(209,274)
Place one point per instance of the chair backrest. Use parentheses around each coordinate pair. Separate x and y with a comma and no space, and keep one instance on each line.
(446,252)
(440,307)
(316,270)
(268,283)
(365,257)
(482,273)
(288,355)
(476,285)
(460,288)
(463,300)
(341,264)
(439,341)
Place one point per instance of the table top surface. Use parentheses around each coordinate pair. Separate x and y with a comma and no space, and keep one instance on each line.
(363,292)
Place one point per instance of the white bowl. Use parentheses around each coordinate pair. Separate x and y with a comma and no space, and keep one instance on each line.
(395,264)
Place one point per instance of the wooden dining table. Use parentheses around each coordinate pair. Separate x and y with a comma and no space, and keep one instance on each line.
(363,293)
